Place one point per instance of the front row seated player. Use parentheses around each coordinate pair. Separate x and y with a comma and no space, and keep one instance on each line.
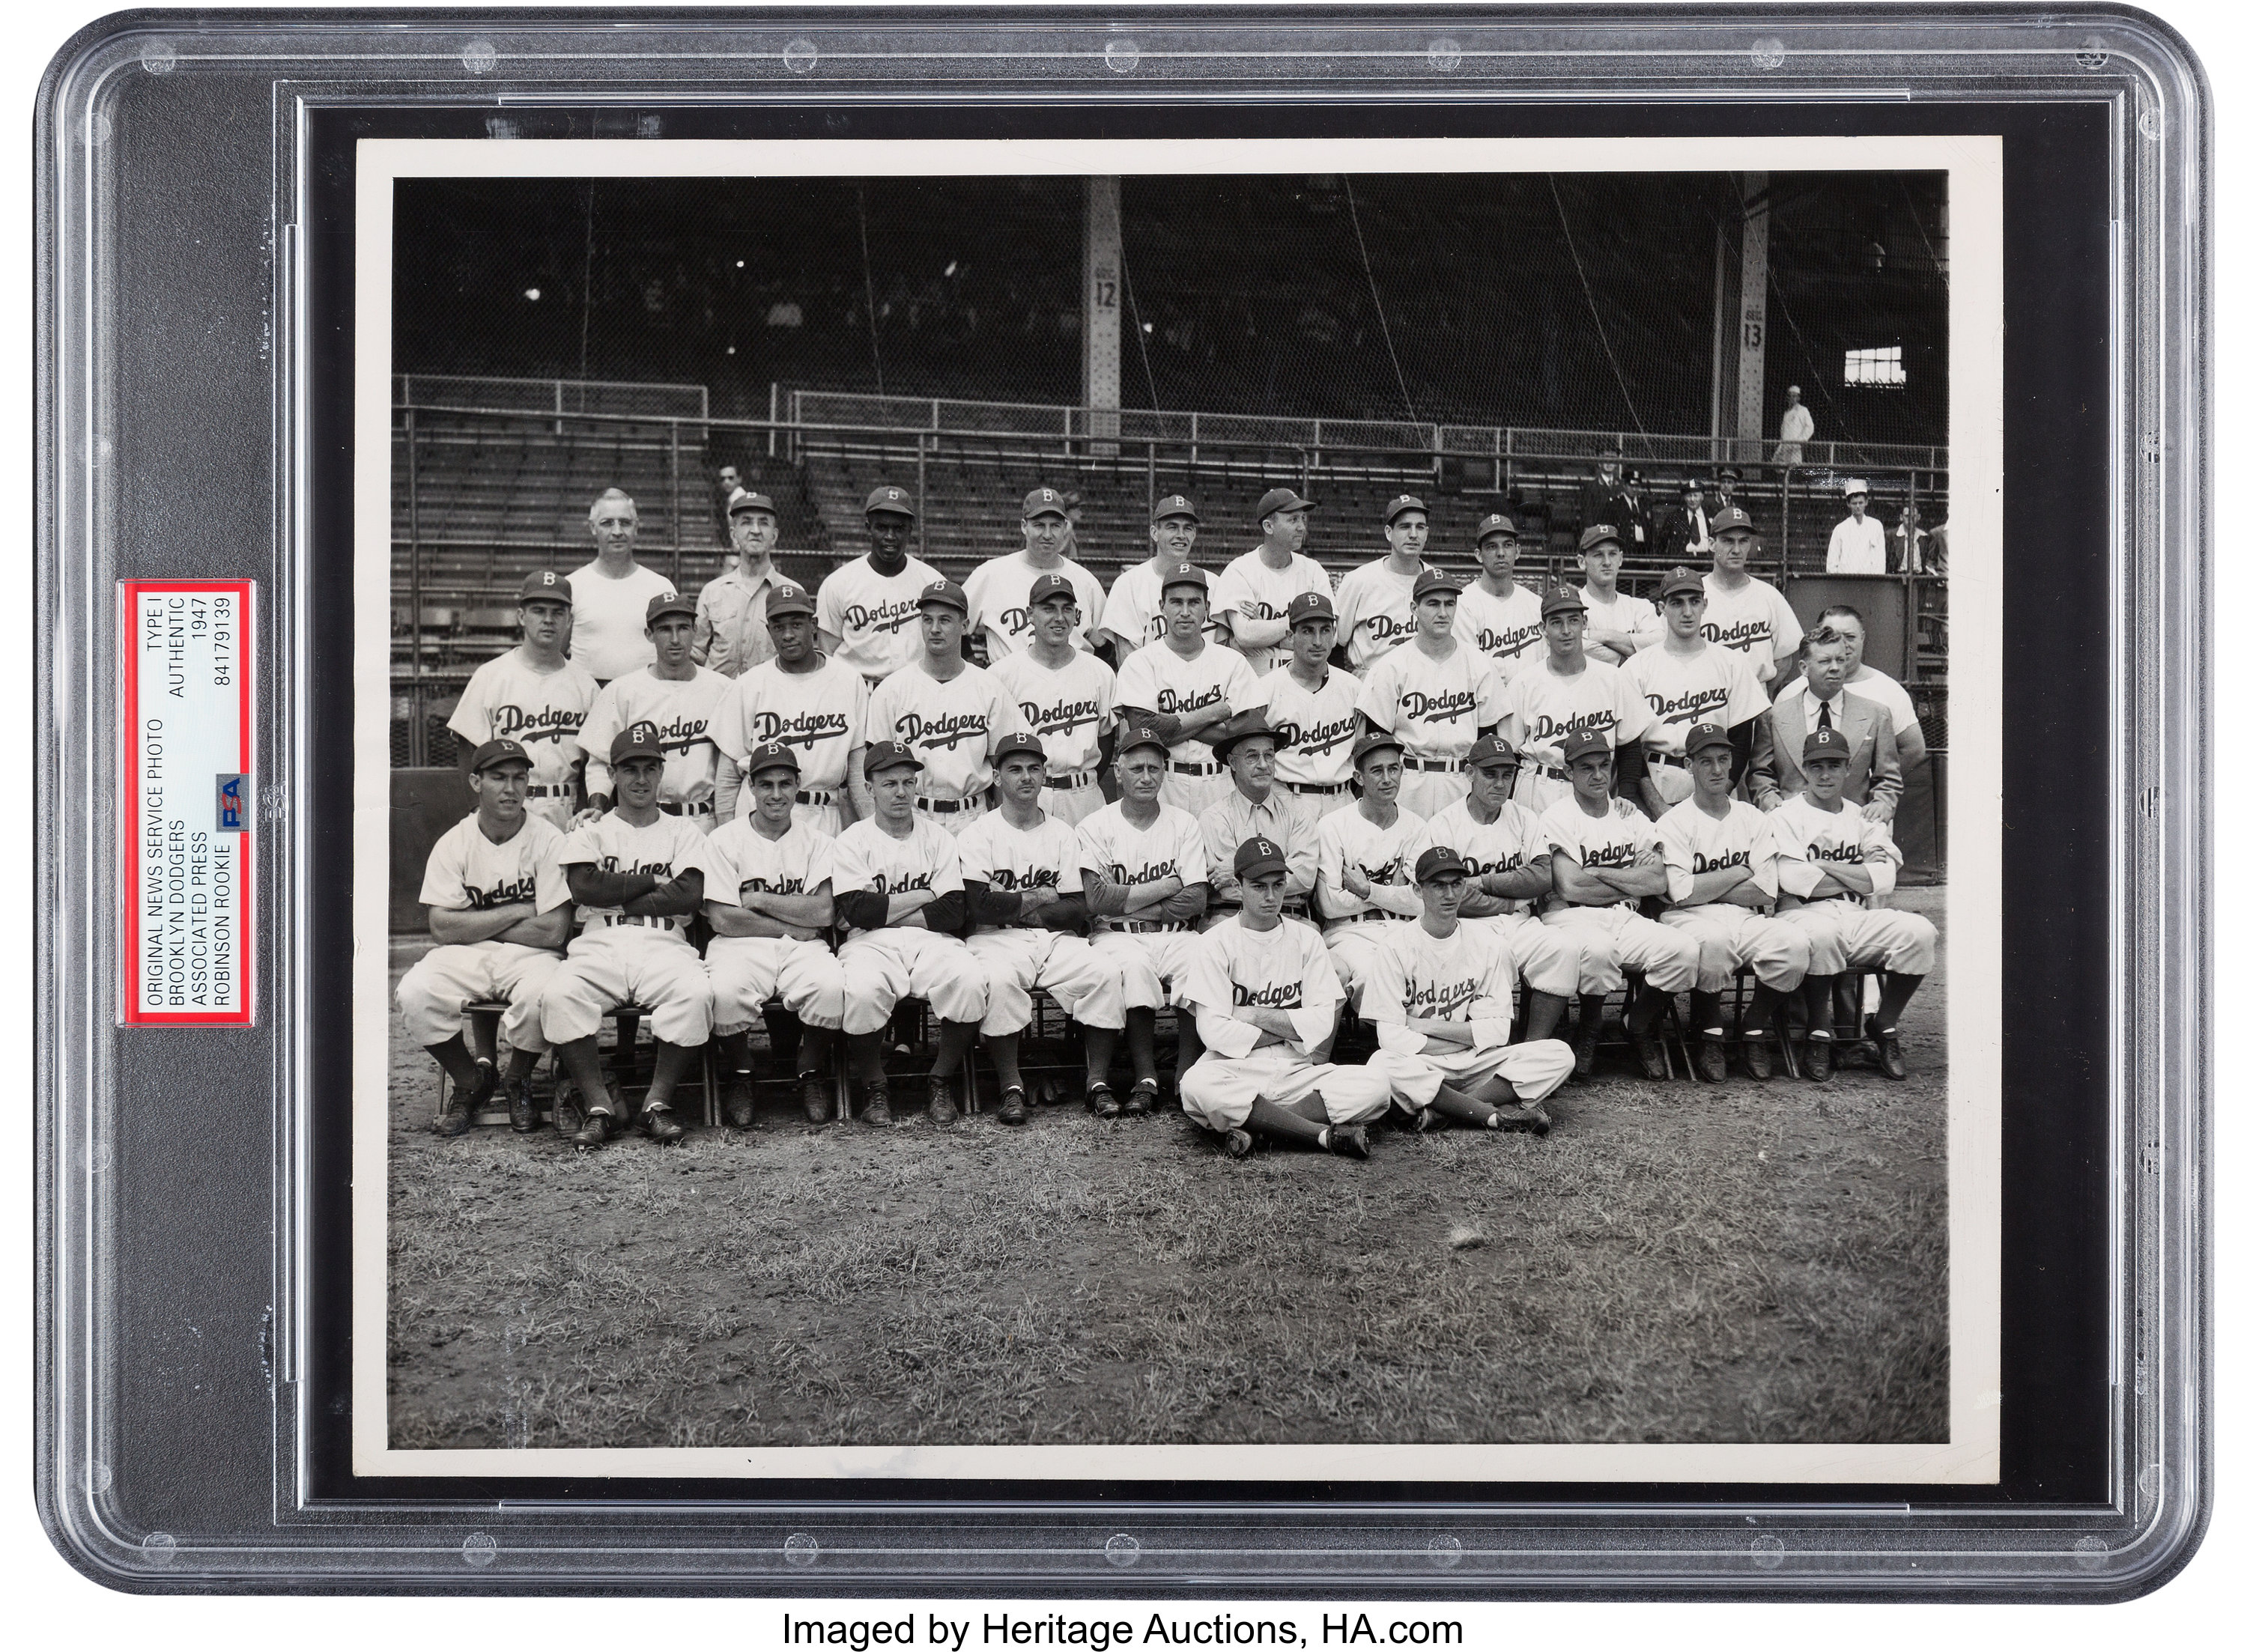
(500,912)
(636,874)
(1441,998)
(1830,856)
(768,909)
(1025,905)
(1366,854)
(1265,998)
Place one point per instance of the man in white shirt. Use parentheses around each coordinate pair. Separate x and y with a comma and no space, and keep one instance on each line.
(1249,600)
(1255,807)
(1743,612)
(1066,697)
(1795,427)
(681,699)
(1437,696)
(729,613)
(1374,603)
(950,712)
(806,702)
(999,591)
(535,695)
(1366,854)
(1189,688)
(1861,678)
(609,596)
(870,607)
(1616,623)
(1498,616)
(1133,617)
(1859,544)
(1313,706)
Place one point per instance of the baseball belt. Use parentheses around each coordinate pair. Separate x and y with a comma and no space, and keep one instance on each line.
(1070,782)
(628,918)
(946,805)
(1429,765)
(1846,900)
(1133,926)
(819,800)
(689,809)
(1196,769)
(1295,906)
(1551,771)
(546,791)
(1376,915)
(1667,761)
(1307,787)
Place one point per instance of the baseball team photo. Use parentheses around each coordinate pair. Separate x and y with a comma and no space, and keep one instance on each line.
(1103,816)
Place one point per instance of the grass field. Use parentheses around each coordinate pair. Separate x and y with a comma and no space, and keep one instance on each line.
(1749,1262)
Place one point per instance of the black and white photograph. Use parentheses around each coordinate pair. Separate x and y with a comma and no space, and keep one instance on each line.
(1169,811)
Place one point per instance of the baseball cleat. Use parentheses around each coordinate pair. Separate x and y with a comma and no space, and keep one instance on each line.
(1651,1064)
(658,1125)
(1014,1106)
(818,1107)
(1143,1099)
(1238,1143)
(740,1098)
(1755,1048)
(522,1111)
(569,1117)
(594,1132)
(1586,1040)
(876,1113)
(1101,1101)
(1520,1116)
(1818,1058)
(1891,1053)
(1709,1059)
(942,1109)
(1347,1141)
(463,1104)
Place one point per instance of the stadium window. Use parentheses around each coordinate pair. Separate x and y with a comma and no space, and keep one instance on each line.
(1881,366)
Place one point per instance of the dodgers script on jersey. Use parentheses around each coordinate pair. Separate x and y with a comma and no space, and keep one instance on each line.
(1286,969)
(1551,708)
(1171,846)
(1694,841)
(1320,725)
(1068,709)
(508,698)
(744,860)
(1160,680)
(468,872)
(682,713)
(1135,605)
(819,715)
(1609,841)
(1373,611)
(1755,619)
(1384,854)
(1250,586)
(1710,685)
(1505,627)
(995,851)
(867,858)
(608,620)
(1805,838)
(1436,706)
(1467,976)
(668,847)
(951,725)
(999,601)
(1506,844)
(874,617)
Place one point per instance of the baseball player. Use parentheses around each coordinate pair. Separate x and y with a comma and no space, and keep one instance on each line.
(950,712)
(1508,867)
(499,909)
(999,591)
(1065,695)
(900,902)
(636,874)
(1720,865)
(730,612)
(1025,903)
(1313,707)
(610,596)
(805,702)
(1498,616)
(1566,694)
(1264,996)
(1146,882)
(1831,856)
(1366,856)
(535,695)
(1188,688)
(1441,999)
(1859,544)
(681,699)
(1374,604)
(1133,618)
(1616,623)
(1436,695)
(1251,595)
(1607,858)
(1744,613)
(1255,807)
(1685,680)
(770,896)
(870,607)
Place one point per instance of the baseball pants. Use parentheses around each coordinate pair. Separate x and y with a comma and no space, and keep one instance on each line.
(557,812)
(1550,959)
(1536,789)
(1218,1090)
(882,965)
(1152,963)
(1672,784)
(1322,803)
(1735,937)
(1428,796)
(436,991)
(748,972)
(1087,985)
(820,817)
(629,963)
(954,820)
(1194,792)
(1073,804)
(1615,939)
(1535,1069)
(1353,948)
(1843,935)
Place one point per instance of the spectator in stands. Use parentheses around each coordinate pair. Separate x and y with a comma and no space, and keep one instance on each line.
(729,615)
(1134,617)
(609,596)
(1910,543)
(1861,678)
(1859,543)
(1795,427)
(1685,535)
(1730,495)
(1605,498)
(721,494)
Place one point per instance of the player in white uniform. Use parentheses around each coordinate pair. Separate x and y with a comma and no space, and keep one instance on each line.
(1373,604)
(1616,623)
(1509,867)
(1830,857)
(636,875)
(1251,595)
(1026,906)
(1722,876)
(1256,807)
(1686,679)
(1441,999)
(951,714)
(1189,688)
(1133,618)
(1366,856)
(1314,707)
(1606,859)
(1746,612)
(533,694)
(1146,882)
(805,702)
(870,607)
(609,597)
(1566,694)
(769,899)
(999,591)
(681,699)
(901,904)
(1498,616)
(1265,999)
(499,909)
(1063,695)
(1437,695)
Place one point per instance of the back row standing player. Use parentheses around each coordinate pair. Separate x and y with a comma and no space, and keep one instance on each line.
(870,607)
(1133,618)
(803,700)
(999,591)
(949,713)
(1497,615)
(536,696)
(1187,688)
(610,595)
(1251,595)
(1564,693)
(1313,707)
(676,697)
(1065,696)
(1374,603)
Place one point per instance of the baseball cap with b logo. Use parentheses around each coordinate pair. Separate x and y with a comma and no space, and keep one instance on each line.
(772,755)
(1046,587)
(1493,752)
(942,593)
(1704,736)
(1600,533)
(1279,499)
(642,739)
(1439,861)
(1496,523)
(1399,505)
(1434,582)
(1826,744)
(545,582)
(1307,606)
(670,603)
(1560,598)
(1043,502)
(1583,743)
(493,751)
(1731,516)
(1681,582)
(1017,745)
(787,598)
(1176,505)
(741,499)
(1257,855)
(889,753)
(888,498)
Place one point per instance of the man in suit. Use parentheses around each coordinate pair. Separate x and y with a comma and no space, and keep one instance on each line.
(1685,532)
(1876,777)
(1607,498)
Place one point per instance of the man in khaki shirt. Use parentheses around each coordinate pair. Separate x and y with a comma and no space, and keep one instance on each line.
(729,615)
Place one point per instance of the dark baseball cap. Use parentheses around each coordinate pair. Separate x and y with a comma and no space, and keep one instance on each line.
(890,753)
(1432,581)
(1496,523)
(1043,502)
(773,754)
(643,739)
(1824,743)
(1186,574)
(1599,533)
(1492,752)
(1681,580)
(1399,505)
(1372,740)
(1702,736)
(1176,505)
(1017,745)
(1133,735)
(1309,604)
(741,499)
(888,498)
(1279,499)
(545,582)
(787,598)
(1257,855)
(1250,722)
(670,603)
(1583,742)
(1731,516)
(494,752)
(942,593)
(1048,585)
(1438,860)
(1560,598)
